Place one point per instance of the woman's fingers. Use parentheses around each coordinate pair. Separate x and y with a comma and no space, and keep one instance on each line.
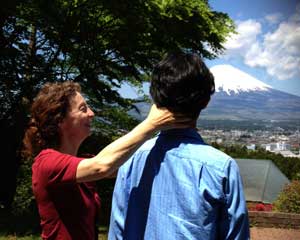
(162,118)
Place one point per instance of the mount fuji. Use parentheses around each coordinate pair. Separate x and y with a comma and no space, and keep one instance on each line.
(233,81)
(241,97)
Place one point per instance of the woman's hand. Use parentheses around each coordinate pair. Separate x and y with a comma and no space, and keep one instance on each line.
(162,119)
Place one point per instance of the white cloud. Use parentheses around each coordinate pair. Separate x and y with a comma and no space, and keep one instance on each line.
(247,33)
(273,18)
(277,51)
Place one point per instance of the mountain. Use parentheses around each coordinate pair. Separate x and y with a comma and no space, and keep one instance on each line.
(233,81)
(241,97)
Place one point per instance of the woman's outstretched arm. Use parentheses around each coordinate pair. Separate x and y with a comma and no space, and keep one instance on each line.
(107,161)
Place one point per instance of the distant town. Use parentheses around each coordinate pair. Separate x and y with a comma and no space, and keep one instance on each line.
(281,137)
(276,140)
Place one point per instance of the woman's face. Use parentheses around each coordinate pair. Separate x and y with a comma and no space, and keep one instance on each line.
(77,124)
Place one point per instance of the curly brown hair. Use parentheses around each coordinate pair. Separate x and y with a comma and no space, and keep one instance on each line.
(48,109)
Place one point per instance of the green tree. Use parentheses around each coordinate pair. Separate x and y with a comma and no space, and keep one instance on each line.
(100,44)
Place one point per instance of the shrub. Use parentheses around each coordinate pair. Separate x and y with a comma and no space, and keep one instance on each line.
(22,217)
(23,200)
(289,199)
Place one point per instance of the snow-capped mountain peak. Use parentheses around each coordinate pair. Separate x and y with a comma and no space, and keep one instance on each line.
(232,80)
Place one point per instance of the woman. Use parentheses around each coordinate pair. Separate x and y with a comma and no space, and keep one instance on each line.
(62,182)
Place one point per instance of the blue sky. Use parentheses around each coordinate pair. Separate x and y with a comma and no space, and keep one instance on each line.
(267,45)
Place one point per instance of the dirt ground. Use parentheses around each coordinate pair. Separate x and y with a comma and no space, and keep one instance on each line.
(274,234)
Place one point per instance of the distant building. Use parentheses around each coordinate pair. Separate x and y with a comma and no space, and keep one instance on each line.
(287,153)
(236,133)
(251,147)
(282,148)
(278,146)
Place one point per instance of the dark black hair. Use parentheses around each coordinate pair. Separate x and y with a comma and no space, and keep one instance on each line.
(182,83)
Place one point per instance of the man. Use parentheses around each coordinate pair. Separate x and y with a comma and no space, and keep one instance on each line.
(176,186)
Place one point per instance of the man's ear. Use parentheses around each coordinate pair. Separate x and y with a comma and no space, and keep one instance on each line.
(205,103)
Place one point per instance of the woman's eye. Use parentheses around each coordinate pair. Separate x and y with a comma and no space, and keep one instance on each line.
(83,109)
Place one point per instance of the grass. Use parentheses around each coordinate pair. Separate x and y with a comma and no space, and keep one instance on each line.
(101,236)
(13,237)
(4,236)
(103,233)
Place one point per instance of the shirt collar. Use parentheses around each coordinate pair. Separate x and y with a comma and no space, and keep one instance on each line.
(187,132)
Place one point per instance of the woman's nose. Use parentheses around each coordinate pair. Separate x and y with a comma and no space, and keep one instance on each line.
(91,113)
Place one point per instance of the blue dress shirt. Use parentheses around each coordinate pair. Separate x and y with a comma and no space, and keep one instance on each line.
(177,187)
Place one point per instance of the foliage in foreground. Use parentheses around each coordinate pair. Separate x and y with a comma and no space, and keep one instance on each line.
(289,199)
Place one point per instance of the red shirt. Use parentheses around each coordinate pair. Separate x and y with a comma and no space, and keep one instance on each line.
(67,209)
